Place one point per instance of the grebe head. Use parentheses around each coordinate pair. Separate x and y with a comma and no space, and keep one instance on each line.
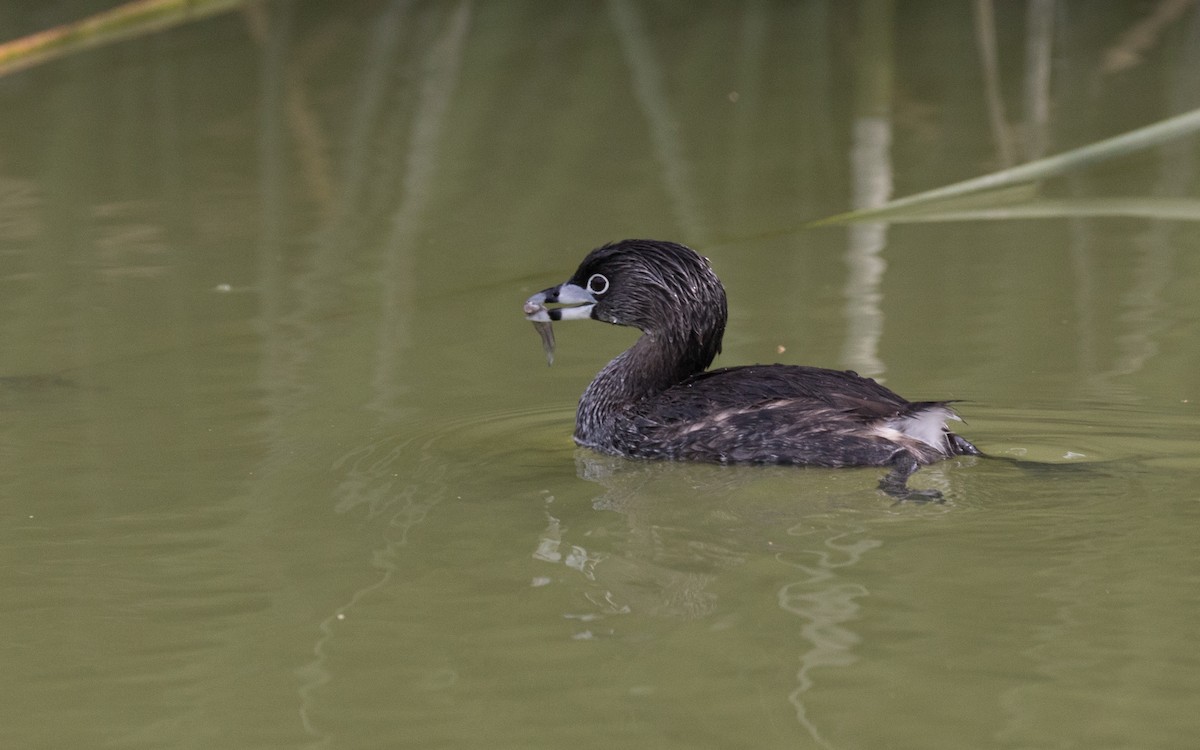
(664,289)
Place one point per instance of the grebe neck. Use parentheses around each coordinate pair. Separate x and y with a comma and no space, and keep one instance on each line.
(653,364)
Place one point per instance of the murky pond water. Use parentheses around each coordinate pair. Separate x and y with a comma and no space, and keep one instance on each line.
(281,463)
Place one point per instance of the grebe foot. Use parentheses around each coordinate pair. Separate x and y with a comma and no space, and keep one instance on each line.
(895,483)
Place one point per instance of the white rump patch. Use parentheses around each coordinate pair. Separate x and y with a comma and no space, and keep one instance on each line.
(928,426)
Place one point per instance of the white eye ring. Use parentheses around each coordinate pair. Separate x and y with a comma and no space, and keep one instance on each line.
(597,284)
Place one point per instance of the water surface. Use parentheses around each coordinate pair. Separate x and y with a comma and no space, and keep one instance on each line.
(281,464)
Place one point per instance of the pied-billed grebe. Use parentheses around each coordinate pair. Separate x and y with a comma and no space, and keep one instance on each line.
(656,400)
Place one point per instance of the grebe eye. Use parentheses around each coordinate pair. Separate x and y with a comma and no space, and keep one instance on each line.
(597,284)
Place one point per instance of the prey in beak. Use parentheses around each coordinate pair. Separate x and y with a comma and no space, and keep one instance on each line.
(570,302)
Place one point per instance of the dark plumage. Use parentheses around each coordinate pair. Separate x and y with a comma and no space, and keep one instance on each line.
(656,400)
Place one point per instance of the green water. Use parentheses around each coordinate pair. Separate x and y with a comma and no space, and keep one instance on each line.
(281,463)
